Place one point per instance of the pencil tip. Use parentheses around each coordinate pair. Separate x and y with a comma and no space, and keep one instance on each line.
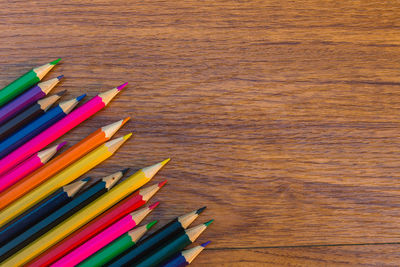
(61,93)
(127,136)
(205,244)
(87,179)
(208,223)
(55,61)
(124,171)
(165,161)
(61,145)
(153,206)
(150,171)
(60,77)
(162,183)
(122,86)
(79,98)
(201,210)
(151,224)
(125,120)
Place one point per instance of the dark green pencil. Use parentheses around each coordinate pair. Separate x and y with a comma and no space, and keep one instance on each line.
(157,239)
(173,247)
(115,248)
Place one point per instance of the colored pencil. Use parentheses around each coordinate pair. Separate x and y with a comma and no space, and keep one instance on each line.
(28,166)
(129,204)
(37,126)
(64,177)
(28,115)
(59,128)
(61,197)
(25,81)
(172,247)
(104,238)
(59,215)
(118,246)
(85,215)
(185,257)
(153,242)
(80,149)
(26,99)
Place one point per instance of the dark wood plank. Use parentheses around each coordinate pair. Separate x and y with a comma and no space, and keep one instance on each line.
(281,116)
(371,255)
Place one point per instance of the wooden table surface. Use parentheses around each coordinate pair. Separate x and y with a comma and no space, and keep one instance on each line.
(282,117)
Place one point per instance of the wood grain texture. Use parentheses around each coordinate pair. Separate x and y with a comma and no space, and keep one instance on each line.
(281,116)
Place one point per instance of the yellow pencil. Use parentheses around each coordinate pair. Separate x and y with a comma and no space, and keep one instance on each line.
(64,177)
(83,216)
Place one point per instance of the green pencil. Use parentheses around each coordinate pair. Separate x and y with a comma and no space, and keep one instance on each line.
(172,247)
(117,247)
(25,81)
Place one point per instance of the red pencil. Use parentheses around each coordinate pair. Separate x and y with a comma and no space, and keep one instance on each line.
(58,129)
(105,237)
(126,206)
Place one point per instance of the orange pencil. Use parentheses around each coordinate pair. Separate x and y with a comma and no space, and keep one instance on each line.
(95,139)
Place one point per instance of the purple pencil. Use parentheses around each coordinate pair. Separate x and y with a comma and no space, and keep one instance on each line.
(26,99)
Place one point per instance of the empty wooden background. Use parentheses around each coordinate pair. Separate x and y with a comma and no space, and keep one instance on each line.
(282,117)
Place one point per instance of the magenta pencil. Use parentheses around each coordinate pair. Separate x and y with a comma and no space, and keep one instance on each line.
(28,166)
(105,237)
(58,129)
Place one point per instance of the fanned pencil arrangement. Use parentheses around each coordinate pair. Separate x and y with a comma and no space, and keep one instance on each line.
(49,216)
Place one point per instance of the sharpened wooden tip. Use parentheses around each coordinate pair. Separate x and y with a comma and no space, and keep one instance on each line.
(150,171)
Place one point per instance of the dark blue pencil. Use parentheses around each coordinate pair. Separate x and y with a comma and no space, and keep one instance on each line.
(28,115)
(185,257)
(61,197)
(61,214)
(37,126)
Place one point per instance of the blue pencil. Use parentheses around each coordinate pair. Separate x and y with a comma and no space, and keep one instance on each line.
(61,214)
(185,257)
(61,197)
(37,126)
(28,115)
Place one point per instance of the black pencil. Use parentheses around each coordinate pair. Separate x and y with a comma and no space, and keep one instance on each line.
(52,203)
(28,115)
(41,227)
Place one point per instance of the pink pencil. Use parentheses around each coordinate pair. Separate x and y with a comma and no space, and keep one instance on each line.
(104,238)
(28,166)
(58,129)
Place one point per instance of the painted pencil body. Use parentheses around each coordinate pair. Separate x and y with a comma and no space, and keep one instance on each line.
(97,225)
(77,151)
(64,177)
(28,115)
(26,99)
(24,82)
(59,215)
(61,197)
(157,239)
(172,247)
(118,246)
(58,129)
(84,215)
(104,238)
(28,166)
(185,257)
(37,126)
